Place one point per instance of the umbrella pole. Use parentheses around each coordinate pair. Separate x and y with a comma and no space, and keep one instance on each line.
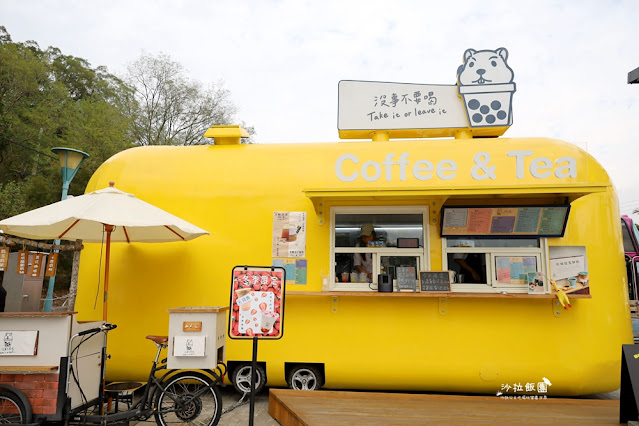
(108,229)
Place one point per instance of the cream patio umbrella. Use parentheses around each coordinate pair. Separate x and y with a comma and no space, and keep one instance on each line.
(106,214)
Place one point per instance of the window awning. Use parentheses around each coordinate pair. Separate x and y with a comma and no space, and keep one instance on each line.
(565,193)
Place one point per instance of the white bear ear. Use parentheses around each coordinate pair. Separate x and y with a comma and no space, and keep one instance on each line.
(503,53)
(468,53)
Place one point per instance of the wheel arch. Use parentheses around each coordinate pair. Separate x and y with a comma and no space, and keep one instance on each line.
(290,366)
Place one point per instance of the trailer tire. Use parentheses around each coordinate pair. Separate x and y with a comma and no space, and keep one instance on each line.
(241,378)
(13,408)
(305,377)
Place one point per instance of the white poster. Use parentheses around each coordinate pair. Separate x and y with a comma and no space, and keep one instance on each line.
(566,267)
(14,342)
(289,234)
(189,346)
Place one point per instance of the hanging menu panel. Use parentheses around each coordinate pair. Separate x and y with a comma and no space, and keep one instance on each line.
(505,221)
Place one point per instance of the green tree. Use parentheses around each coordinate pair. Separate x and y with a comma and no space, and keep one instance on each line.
(171,108)
(49,99)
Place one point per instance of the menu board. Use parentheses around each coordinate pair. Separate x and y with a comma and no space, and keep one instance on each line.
(505,221)
(434,280)
(514,269)
(406,278)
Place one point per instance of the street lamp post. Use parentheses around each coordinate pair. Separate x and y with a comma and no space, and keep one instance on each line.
(70,162)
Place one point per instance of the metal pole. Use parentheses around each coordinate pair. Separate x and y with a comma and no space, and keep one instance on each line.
(253,376)
(48,302)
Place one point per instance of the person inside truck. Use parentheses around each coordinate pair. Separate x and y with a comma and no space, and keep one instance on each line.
(465,266)
(363,262)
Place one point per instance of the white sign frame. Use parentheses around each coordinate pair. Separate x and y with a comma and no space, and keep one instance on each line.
(374,105)
(189,346)
(19,342)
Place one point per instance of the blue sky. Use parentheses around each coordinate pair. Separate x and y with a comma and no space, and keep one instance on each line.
(282,60)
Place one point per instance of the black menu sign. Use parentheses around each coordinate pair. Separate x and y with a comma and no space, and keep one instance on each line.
(434,280)
(406,278)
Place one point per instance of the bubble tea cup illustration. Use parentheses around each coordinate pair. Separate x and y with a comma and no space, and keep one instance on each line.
(485,82)
(289,233)
(268,320)
(243,298)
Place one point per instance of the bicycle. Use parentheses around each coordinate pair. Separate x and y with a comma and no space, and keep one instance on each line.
(182,396)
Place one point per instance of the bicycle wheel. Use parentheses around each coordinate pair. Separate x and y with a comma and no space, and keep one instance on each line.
(12,410)
(188,397)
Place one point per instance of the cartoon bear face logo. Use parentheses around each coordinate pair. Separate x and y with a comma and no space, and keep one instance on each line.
(485,67)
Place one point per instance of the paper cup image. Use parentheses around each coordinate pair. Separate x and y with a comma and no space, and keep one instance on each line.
(243,298)
(488,105)
(292,233)
(268,320)
(583,277)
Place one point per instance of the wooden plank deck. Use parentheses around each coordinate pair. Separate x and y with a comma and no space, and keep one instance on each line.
(293,408)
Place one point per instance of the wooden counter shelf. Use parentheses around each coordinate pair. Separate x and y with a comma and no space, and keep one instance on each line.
(432,294)
(28,369)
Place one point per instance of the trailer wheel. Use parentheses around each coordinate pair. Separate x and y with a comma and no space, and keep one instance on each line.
(241,378)
(305,377)
(13,409)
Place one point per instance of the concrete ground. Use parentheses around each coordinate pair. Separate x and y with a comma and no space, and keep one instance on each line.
(239,415)
(235,410)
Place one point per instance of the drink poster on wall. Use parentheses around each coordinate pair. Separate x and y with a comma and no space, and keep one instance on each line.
(289,234)
(296,270)
(257,302)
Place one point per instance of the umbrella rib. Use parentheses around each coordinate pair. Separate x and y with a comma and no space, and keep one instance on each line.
(67,230)
(174,232)
(126,234)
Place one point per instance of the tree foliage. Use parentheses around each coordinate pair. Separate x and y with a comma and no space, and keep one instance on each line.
(171,108)
(49,99)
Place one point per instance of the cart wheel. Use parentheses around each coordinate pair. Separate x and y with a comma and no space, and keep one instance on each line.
(305,377)
(242,378)
(12,409)
(188,397)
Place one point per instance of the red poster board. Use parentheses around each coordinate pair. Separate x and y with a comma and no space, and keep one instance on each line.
(257,302)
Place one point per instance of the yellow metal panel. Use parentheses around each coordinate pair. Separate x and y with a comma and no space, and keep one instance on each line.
(368,343)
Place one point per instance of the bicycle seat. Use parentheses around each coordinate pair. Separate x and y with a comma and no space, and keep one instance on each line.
(158,339)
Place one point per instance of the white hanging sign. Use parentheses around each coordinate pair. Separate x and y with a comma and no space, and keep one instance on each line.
(189,346)
(19,342)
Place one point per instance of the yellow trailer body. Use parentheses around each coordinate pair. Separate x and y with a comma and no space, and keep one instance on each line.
(481,341)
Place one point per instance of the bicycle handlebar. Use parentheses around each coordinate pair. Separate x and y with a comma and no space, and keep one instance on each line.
(105,327)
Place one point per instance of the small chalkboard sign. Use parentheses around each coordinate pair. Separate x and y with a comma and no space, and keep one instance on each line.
(629,391)
(406,278)
(435,280)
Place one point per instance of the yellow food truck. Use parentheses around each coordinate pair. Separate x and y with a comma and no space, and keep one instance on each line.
(474,238)
(473,338)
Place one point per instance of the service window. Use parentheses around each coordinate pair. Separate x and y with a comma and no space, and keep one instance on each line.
(368,241)
(493,264)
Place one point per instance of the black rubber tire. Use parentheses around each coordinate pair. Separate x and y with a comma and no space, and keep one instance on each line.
(305,377)
(206,407)
(241,378)
(12,409)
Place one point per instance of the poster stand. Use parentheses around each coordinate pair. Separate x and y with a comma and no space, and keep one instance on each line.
(629,394)
(253,289)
